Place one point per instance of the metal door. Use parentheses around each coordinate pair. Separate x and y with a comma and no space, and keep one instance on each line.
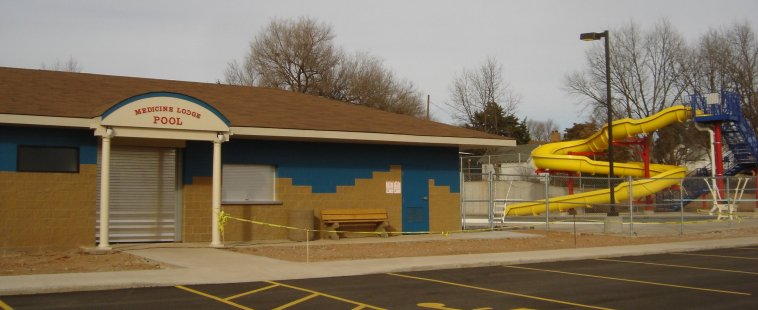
(415,191)
(144,194)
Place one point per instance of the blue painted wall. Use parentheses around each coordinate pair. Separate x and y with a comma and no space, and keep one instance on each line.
(11,137)
(324,166)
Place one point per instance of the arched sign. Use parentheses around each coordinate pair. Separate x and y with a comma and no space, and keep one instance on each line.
(165,111)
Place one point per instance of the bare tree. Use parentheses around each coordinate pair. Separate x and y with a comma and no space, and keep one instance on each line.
(300,56)
(540,130)
(363,79)
(727,59)
(242,75)
(70,65)
(472,90)
(646,71)
(294,54)
(288,54)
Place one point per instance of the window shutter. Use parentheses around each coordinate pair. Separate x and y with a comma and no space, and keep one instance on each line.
(248,183)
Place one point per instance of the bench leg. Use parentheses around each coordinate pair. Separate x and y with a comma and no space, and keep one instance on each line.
(331,231)
(380,229)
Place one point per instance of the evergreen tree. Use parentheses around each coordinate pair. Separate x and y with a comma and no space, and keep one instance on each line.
(580,130)
(493,119)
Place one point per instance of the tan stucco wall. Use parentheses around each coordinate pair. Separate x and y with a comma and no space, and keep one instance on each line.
(366,193)
(196,212)
(48,210)
(444,209)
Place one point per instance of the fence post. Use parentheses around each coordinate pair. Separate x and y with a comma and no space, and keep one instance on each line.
(681,207)
(547,202)
(631,206)
(462,195)
(490,211)
(728,200)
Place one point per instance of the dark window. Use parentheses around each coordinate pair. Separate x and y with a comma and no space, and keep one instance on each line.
(48,159)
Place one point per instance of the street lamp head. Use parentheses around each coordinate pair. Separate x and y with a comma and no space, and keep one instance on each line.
(592,36)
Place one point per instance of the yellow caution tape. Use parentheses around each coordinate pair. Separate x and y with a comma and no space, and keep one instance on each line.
(224,217)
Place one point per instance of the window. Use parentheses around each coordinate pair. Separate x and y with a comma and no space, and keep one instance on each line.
(248,183)
(47,159)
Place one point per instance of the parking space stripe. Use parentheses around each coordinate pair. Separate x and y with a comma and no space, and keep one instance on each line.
(295,302)
(216,298)
(359,304)
(632,281)
(251,292)
(5,306)
(499,291)
(675,266)
(714,255)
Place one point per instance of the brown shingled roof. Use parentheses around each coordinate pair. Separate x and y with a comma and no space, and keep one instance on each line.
(80,95)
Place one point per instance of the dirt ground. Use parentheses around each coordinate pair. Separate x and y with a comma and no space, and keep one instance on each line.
(551,240)
(73,260)
(63,261)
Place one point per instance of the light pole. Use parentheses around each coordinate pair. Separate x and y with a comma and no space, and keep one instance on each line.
(592,36)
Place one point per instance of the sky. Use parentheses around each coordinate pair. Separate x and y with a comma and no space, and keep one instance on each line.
(426,42)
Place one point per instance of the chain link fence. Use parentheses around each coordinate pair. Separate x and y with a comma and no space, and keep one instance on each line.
(492,187)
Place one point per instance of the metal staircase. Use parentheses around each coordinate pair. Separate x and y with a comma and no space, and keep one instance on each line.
(737,133)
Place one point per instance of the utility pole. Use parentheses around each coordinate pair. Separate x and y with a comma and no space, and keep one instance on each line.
(427,107)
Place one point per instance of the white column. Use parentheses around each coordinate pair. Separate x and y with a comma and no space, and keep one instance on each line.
(105,183)
(216,196)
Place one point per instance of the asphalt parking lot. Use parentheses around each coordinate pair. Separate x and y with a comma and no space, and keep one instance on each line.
(712,279)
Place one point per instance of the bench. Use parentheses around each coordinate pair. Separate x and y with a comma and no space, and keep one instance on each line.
(334,218)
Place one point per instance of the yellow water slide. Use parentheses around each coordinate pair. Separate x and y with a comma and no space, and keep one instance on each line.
(555,157)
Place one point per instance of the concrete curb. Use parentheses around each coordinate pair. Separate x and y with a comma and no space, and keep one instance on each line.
(194,267)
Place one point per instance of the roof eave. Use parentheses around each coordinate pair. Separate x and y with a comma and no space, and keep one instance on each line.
(367,137)
(53,121)
(287,134)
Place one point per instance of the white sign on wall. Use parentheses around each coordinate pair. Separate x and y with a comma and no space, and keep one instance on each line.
(393,187)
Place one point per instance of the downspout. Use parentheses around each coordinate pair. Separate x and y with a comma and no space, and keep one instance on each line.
(711,135)
(718,151)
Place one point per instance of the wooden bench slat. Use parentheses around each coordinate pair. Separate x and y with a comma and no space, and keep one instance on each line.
(355,221)
(369,215)
(335,217)
(352,211)
(353,214)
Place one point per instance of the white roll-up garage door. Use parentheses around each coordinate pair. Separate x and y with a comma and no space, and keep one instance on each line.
(143,194)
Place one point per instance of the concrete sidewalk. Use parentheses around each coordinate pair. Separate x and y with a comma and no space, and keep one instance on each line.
(202,265)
